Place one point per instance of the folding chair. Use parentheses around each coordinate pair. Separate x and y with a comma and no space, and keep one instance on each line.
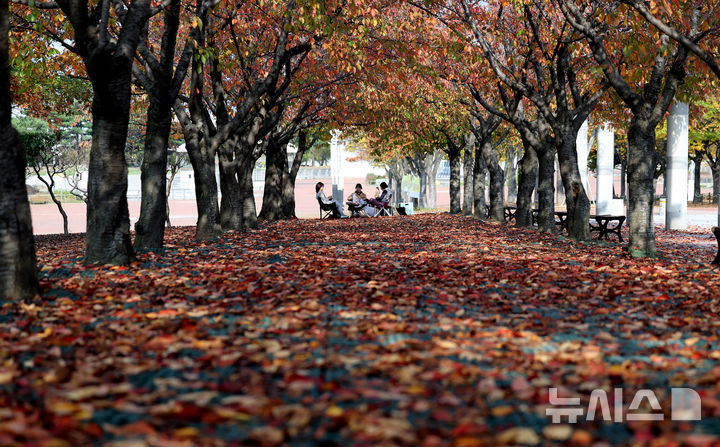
(387,209)
(326,209)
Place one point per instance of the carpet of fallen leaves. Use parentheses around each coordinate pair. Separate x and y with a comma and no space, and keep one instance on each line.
(426,330)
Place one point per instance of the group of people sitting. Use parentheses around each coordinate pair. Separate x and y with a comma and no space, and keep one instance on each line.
(357,202)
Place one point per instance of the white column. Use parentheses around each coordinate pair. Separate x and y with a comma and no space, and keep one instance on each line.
(337,149)
(691,182)
(677,167)
(605,165)
(583,151)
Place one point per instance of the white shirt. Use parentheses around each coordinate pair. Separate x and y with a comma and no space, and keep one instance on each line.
(321,195)
(385,195)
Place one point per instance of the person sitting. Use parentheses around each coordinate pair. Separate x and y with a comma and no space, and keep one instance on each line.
(383,199)
(336,207)
(356,201)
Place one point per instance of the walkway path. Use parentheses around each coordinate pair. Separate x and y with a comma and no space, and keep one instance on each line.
(426,330)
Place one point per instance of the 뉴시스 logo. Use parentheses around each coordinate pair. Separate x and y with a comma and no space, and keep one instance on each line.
(685,406)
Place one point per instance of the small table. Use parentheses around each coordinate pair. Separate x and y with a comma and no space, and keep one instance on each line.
(602,226)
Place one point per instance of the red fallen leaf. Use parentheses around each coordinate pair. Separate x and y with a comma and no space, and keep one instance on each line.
(317,336)
(137,428)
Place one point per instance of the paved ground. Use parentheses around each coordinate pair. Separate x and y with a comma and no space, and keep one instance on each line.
(47,219)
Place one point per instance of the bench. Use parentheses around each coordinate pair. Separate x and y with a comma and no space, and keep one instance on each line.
(716,232)
(509,213)
(603,228)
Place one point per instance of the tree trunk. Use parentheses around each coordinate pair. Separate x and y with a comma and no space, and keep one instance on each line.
(276,167)
(231,190)
(18,265)
(467,207)
(455,165)
(697,194)
(559,187)
(244,174)
(206,195)
(576,199)
(108,218)
(623,180)
(288,192)
(397,197)
(150,227)
(64,215)
(432,188)
(526,185)
(50,185)
(546,189)
(167,197)
(422,200)
(479,173)
(715,169)
(497,182)
(640,171)
(511,174)
(288,196)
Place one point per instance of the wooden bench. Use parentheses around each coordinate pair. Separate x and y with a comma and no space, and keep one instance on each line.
(509,213)
(560,219)
(603,228)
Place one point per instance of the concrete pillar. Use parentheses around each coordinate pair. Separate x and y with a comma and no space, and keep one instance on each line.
(691,182)
(581,143)
(337,149)
(677,167)
(605,165)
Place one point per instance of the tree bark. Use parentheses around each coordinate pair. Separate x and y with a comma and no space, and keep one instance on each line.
(230,189)
(528,175)
(422,200)
(288,192)
(697,194)
(623,180)
(497,182)
(431,169)
(167,197)
(150,227)
(64,215)
(249,212)
(479,173)
(108,218)
(715,169)
(546,189)
(18,265)
(50,185)
(276,167)
(576,199)
(206,195)
(640,172)
(432,188)
(511,174)
(468,165)
(455,165)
